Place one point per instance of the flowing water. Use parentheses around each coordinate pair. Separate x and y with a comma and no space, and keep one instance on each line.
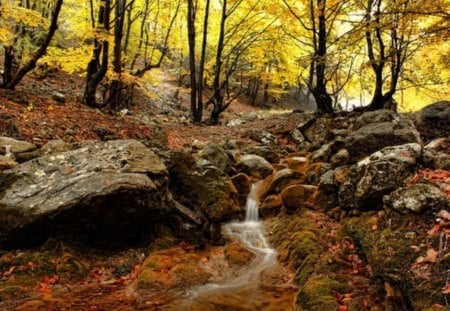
(258,286)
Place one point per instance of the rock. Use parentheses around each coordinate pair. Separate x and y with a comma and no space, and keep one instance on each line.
(102,192)
(271,206)
(381,173)
(59,97)
(323,153)
(237,255)
(317,132)
(298,162)
(298,196)
(417,198)
(172,269)
(207,190)
(378,116)
(16,146)
(261,136)
(55,147)
(433,121)
(276,183)
(297,137)
(316,170)
(197,145)
(242,184)
(436,154)
(216,156)
(266,152)
(376,136)
(342,157)
(401,250)
(6,163)
(255,166)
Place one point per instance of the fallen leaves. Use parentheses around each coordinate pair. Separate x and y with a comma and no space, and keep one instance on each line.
(439,178)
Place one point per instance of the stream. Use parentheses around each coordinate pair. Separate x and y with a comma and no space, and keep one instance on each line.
(261,285)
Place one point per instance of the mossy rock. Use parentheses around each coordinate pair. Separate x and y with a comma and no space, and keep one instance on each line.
(318,294)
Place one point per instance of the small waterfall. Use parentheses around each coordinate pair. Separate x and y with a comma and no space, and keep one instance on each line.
(250,233)
(251,206)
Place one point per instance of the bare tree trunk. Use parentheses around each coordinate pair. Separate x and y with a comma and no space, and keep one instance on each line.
(191,38)
(96,69)
(22,71)
(201,70)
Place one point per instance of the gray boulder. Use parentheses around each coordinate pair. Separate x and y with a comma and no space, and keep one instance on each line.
(103,191)
(417,198)
(375,136)
(433,121)
(381,173)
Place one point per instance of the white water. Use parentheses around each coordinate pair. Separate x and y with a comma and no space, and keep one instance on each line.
(250,233)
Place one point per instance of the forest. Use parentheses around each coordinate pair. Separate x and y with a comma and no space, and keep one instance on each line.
(225,155)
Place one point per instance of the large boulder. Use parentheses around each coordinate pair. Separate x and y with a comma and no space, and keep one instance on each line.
(381,173)
(375,136)
(433,121)
(207,190)
(103,191)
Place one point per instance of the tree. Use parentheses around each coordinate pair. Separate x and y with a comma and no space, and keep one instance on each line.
(98,65)
(318,23)
(13,74)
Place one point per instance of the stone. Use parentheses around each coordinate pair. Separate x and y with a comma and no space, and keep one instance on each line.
(243,185)
(436,154)
(317,132)
(6,163)
(297,137)
(277,182)
(271,206)
(378,116)
(298,162)
(266,152)
(102,192)
(381,173)
(298,196)
(261,136)
(15,146)
(255,166)
(417,199)
(433,121)
(237,255)
(59,97)
(216,156)
(55,146)
(340,158)
(207,190)
(376,136)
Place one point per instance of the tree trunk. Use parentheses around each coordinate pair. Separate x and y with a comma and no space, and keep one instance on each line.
(191,39)
(18,76)
(115,94)
(323,99)
(201,70)
(218,98)
(96,69)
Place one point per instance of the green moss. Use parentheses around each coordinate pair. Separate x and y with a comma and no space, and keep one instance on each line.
(318,294)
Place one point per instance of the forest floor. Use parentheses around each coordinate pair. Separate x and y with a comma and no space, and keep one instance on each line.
(159,114)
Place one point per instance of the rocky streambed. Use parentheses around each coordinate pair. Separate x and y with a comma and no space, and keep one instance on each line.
(356,207)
